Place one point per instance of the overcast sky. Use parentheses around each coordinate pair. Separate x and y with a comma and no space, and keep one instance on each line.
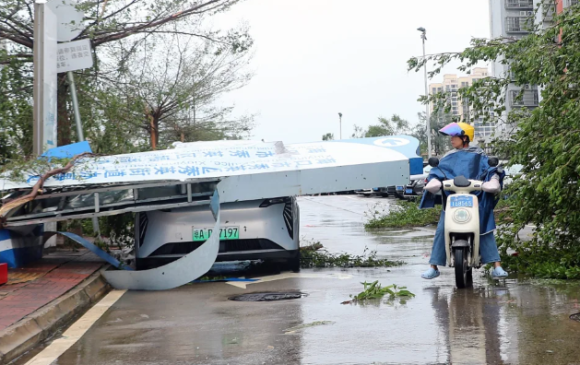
(315,58)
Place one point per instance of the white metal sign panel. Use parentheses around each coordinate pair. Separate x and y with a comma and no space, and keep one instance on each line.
(74,56)
(70,19)
(193,161)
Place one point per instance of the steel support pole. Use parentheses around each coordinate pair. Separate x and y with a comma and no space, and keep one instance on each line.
(38,87)
(75,103)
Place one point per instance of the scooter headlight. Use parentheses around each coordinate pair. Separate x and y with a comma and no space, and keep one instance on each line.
(461,216)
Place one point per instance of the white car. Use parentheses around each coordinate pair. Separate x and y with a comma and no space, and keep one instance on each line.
(266,229)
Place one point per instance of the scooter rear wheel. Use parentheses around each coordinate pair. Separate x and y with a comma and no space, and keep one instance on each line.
(463,276)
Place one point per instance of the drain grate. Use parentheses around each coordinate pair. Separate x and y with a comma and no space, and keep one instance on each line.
(267,297)
(575,317)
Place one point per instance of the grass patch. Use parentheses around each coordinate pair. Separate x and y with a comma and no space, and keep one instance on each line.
(314,256)
(407,214)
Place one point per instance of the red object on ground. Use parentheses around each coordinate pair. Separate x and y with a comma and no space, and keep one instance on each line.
(3,273)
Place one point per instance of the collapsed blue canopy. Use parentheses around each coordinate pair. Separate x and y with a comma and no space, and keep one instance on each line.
(68,151)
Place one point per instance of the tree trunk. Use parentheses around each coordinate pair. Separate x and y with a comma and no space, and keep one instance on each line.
(152,132)
(63,121)
(156,129)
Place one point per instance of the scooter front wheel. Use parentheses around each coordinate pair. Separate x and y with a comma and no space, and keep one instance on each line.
(463,276)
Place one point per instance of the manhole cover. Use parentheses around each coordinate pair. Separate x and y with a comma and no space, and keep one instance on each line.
(267,297)
(575,317)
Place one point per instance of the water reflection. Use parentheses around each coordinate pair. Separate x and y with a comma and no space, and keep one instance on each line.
(469,324)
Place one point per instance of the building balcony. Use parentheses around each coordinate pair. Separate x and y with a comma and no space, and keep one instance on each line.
(548,10)
(521,24)
(528,99)
(568,3)
(519,4)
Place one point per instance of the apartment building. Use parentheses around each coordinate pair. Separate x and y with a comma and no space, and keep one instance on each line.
(515,19)
(460,108)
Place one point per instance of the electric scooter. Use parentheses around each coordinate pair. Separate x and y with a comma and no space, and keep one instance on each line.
(462,224)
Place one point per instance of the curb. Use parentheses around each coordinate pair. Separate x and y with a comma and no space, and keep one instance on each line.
(36,327)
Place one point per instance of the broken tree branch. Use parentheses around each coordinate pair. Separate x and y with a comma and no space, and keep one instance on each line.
(37,188)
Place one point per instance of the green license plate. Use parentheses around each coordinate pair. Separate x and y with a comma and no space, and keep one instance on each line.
(226,233)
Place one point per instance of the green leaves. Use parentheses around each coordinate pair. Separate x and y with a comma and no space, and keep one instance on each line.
(546,141)
(324,259)
(374,290)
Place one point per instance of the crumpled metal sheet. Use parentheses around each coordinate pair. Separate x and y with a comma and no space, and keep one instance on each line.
(180,272)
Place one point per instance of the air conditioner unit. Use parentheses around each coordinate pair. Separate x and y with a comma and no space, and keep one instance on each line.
(526,87)
(526,13)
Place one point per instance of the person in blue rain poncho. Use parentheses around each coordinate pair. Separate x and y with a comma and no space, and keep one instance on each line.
(472,163)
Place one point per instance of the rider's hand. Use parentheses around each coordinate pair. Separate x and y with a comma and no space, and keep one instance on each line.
(434,186)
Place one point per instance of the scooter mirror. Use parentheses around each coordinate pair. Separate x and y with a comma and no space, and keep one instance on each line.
(433,162)
(493,161)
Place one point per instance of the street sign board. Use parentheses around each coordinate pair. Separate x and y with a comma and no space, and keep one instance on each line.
(74,56)
(70,20)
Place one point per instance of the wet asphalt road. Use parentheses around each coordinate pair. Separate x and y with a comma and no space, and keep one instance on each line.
(496,322)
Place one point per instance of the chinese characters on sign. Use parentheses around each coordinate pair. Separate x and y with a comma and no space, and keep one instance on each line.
(73,56)
(221,159)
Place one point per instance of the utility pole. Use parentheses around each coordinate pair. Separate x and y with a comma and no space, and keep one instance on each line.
(45,82)
(424,38)
(44,86)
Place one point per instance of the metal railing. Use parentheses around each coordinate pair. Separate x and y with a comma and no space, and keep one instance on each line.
(519,4)
(523,24)
(527,98)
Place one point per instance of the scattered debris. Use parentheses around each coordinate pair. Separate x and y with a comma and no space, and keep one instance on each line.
(307,325)
(374,290)
(313,256)
(313,247)
(125,254)
(267,297)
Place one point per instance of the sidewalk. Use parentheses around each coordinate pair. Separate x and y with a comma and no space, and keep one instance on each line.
(29,302)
